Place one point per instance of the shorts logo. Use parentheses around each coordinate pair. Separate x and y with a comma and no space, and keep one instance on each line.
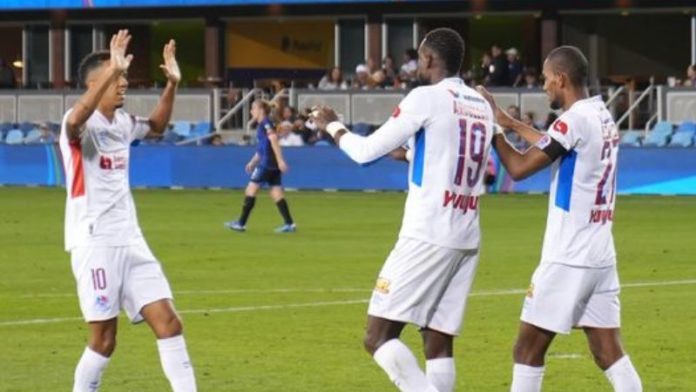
(530,291)
(102,303)
(382,285)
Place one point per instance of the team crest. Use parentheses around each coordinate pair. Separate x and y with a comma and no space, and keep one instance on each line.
(382,285)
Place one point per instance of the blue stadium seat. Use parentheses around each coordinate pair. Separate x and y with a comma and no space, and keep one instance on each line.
(26,126)
(171,137)
(14,136)
(201,128)
(631,138)
(656,140)
(34,136)
(682,139)
(362,129)
(663,128)
(181,128)
(6,126)
(687,126)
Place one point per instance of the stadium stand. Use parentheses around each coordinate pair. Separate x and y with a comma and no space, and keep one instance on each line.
(684,135)
(631,138)
(660,135)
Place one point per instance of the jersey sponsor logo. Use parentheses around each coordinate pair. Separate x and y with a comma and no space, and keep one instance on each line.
(465,203)
(461,109)
(561,127)
(396,112)
(382,285)
(113,162)
(601,216)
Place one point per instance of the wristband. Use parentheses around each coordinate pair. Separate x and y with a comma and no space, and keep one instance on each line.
(334,127)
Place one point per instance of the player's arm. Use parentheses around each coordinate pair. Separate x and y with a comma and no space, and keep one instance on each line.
(504,120)
(522,165)
(160,116)
(401,154)
(278,151)
(252,163)
(86,105)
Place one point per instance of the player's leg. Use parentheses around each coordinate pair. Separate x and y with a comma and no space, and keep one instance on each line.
(393,356)
(439,359)
(446,321)
(601,321)
(605,345)
(528,354)
(98,274)
(146,295)
(95,358)
(249,202)
(278,196)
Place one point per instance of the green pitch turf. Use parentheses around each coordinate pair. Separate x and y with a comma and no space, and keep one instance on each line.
(269,312)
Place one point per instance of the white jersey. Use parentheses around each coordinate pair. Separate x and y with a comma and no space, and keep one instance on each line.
(583,187)
(99,209)
(449,127)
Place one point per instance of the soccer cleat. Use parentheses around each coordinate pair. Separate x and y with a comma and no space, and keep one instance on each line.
(291,228)
(236,226)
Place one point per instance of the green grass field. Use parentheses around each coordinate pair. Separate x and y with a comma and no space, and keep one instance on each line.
(268,312)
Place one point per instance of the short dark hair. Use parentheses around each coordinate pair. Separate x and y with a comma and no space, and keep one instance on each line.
(571,61)
(448,45)
(89,63)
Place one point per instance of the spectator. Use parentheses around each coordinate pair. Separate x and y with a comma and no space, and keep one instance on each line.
(499,67)
(530,78)
(333,80)
(216,140)
(47,136)
(286,135)
(514,67)
(7,76)
(407,73)
(371,65)
(690,76)
(513,137)
(484,70)
(289,114)
(514,111)
(390,77)
(528,118)
(361,81)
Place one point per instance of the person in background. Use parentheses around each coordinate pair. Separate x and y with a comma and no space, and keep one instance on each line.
(550,119)
(287,137)
(390,77)
(7,76)
(407,72)
(484,70)
(361,81)
(333,80)
(515,68)
(499,67)
(216,140)
(47,136)
(690,76)
(528,119)
(530,78)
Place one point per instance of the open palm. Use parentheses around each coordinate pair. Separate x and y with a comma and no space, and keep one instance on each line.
(119,43)
(170,66)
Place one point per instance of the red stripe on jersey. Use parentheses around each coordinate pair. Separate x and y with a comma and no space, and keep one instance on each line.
(78,173)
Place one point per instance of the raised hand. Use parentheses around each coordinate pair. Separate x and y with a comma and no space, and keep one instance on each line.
(323,115)
(501,117)
(119,43)
(170,66)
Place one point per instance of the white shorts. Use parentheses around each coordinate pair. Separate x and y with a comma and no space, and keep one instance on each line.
(562,297)
(424,284)
(113,278)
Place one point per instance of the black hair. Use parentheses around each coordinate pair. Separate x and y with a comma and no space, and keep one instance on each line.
(89,63)
(412,54)
(449,46)
(571,61)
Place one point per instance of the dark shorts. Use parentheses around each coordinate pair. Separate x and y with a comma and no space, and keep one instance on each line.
(272,177)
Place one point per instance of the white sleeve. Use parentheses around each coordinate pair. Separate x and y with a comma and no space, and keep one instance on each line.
(410,116)
(141,127)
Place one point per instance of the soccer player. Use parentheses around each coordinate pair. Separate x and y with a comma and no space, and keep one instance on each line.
(576,284)
(428,275)
(265,167)
(113,267)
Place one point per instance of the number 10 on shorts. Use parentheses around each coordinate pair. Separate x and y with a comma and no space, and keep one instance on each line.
(99,278)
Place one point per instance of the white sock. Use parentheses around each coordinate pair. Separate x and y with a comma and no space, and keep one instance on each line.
(441,373)
(402,367)
(89,371)
(526,378)
(623,376)
(176,364)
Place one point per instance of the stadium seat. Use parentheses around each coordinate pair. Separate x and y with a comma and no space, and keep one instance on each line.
(631,138)
(181,128)
(682,139)
(26,126)
(687,126)
(201,128)
(14,136)
(362,129)
(6,126)
(171,137)
(34,136)
(663,128)
(656,140)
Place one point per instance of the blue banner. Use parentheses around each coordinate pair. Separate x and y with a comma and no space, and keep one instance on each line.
(61,4)
(641,170)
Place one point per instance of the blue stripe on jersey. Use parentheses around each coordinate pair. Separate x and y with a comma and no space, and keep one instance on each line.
(564,187)
(418,158)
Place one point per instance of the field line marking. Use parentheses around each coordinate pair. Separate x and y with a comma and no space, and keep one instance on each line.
(488,293)
(361,290)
